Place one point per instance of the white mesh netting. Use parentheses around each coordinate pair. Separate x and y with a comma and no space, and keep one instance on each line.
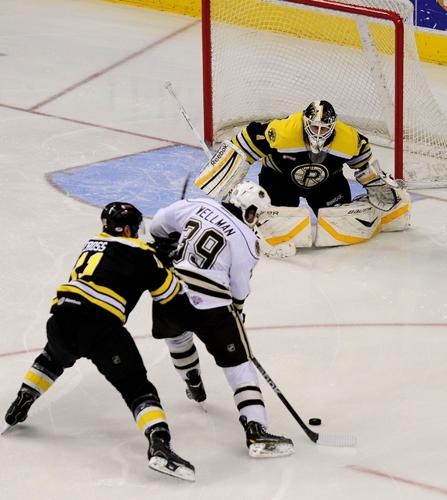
(271,58)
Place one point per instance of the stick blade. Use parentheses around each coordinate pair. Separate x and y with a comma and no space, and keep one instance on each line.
(341,440)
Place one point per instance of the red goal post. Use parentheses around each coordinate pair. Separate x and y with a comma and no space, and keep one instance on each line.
(231,27)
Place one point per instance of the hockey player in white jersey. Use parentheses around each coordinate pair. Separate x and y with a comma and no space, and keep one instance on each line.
(216,254)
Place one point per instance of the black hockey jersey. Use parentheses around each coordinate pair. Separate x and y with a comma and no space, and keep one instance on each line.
(112,273)
(281,145)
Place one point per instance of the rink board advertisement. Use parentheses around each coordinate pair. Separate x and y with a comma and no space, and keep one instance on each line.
(429,15)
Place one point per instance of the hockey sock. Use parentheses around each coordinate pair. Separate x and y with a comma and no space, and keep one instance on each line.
(184,354)
(148,413)
(42,374)
(247,393)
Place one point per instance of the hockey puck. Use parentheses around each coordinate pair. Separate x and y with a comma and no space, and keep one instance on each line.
(315,421)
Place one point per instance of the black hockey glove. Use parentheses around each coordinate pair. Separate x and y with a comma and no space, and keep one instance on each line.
(166,248)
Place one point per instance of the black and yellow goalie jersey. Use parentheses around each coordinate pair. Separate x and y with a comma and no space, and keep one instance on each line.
(112,272)
(282,146)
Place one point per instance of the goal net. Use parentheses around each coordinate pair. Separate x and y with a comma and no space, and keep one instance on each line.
(265,59)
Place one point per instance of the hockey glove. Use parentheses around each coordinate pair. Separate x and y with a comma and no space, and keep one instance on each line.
(382,188)
(166,248)
(381,195)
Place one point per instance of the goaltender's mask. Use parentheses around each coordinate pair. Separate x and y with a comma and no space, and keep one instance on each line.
(319,123)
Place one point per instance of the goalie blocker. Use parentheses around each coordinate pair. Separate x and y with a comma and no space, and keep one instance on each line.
(225,169)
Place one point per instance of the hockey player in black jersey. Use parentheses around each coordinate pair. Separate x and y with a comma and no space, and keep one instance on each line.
(87,320)
(302,155)
(215,257)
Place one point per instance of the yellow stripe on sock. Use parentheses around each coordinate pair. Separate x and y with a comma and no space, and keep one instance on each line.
(38,381)
(150,417)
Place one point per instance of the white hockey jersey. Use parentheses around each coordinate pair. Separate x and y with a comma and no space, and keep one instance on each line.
(216,254)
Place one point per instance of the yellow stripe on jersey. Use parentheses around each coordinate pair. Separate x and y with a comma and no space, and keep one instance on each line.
(118,312)
(267,161)
(243,141)
(172,295)
(104,290)
(134,242)
(287,135)
(168,290)
(164,286)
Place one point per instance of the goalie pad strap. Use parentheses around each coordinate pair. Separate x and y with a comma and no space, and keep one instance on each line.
(225,169)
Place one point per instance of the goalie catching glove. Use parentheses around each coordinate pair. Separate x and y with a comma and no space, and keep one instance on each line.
(383,190)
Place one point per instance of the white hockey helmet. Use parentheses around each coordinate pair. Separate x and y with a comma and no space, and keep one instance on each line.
(248,195)
(319,122)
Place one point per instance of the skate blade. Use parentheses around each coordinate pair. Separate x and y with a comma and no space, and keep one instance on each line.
(6,429)
(176,470)
(203,406)
(200,403)
(266,450)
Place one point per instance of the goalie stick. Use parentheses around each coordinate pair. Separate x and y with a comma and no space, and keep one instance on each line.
(206,150)
(345,440)
(170,89)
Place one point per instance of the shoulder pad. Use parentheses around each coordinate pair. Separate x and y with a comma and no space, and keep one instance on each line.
(346,140)
(287,132)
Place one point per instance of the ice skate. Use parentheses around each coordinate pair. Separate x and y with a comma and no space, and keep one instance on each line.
(195,389)
(261,444)
(163,459)
(18,411)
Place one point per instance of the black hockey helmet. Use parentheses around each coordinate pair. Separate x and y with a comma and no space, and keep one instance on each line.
(118,214)
(319,123)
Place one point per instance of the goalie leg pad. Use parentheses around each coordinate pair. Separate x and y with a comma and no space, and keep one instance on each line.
(226,168)
(283,229)
(398,219)
(348,224)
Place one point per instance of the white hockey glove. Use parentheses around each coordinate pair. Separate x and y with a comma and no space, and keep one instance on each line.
(382,188)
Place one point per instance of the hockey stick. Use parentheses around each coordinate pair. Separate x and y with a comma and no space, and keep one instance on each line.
(185,185)
(207,151)
(170,89)
(322,439)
